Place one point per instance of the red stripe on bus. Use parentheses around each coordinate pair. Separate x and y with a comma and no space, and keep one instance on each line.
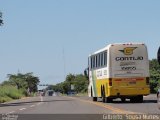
(139,79)
(118,80)
(130,79)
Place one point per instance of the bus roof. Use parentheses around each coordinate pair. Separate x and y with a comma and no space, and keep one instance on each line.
(110,45)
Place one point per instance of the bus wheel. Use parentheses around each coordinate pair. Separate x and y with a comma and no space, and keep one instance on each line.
(133,100)
(94,98)
(103,99)
(103,96)
(123,99)
(108,99)
(139,99)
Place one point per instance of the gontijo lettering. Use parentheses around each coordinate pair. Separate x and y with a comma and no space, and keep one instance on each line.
(128,58)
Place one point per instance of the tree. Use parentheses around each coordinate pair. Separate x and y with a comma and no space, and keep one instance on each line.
(24,81)
(18,80)
(32,82)
(79,81)
(7,83)
(154,75)
(1,21)
(70,78)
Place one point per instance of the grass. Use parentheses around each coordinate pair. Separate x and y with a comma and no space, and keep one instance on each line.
(8,93)
(82,94)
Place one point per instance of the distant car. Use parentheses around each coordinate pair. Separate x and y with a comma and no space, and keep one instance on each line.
(71,93)
(158,98)
(50,92)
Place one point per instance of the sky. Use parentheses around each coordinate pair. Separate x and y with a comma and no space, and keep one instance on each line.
(53,38)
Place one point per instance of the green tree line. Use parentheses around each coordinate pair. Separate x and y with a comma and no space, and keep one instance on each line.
(79,81)
(154,75)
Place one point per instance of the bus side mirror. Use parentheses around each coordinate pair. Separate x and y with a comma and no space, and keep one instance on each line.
(158,55)
(86,72)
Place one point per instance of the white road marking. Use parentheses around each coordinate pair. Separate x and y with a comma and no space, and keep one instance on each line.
(41,99)
(22,109)
(32,106)
(39,103)
(11,112)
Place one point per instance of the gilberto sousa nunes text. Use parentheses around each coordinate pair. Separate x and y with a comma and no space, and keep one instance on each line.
(131,116)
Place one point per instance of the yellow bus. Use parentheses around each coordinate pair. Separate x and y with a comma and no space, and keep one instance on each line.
(119,71)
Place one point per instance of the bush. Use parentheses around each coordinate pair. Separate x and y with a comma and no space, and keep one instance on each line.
(5,99)
(23,92)
(12,92)
(8,93)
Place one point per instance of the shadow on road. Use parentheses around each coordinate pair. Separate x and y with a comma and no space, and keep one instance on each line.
(23,103)
(150,101)
(128,102)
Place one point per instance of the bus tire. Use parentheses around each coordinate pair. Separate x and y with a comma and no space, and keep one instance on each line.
(91,92)
(103,96)
(103,99)
(133,100)
(94,98)
(123,99)
(108,99)
(139,99)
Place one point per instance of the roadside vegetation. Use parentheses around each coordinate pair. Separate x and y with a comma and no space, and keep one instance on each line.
(79,81)
(8,93)
(154,75)
(18,86)
(21,85)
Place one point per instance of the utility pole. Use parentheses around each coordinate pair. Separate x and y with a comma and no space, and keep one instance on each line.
(64,64)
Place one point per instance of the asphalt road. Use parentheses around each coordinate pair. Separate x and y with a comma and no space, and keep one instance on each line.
(77,105)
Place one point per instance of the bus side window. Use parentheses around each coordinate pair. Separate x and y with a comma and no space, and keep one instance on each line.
(93,62)
(96,61)
(105,58)
(102,59)
(99,60)
(91,65)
